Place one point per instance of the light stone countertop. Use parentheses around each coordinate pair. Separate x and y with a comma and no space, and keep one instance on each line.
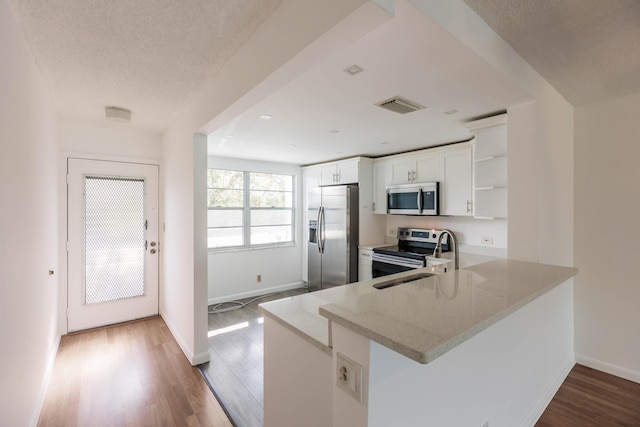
(422,319)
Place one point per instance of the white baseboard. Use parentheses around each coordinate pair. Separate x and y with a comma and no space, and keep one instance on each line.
(188,352)
(535,411)
(200,358)
(256,293)
(45,382)
(609,368)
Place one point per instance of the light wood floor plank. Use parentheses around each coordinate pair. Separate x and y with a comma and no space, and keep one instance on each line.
(132,374)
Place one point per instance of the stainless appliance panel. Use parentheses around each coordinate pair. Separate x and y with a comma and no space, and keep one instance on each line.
(413,199)
(336,229)
(335,264)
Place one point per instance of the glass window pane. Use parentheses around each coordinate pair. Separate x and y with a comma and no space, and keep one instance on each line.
(220,178)
(274,234)
(222,237)
(270,181)
(224,218)
(271,217)
(270,199)
(225,198)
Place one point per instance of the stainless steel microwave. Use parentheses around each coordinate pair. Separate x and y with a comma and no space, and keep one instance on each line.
(413,199)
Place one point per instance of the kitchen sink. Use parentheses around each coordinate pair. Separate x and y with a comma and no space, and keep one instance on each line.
(396,282)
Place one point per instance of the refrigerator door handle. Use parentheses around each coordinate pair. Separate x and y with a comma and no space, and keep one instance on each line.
(321,229)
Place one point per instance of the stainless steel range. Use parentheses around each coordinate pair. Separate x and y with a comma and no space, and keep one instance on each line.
(414,245)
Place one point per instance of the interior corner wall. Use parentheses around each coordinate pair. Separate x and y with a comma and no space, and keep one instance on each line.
(232,274)
(177,283)
(607,152)
(550,148)
(292,28)
(28,226)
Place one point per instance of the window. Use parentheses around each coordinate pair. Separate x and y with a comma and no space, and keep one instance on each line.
(249,209)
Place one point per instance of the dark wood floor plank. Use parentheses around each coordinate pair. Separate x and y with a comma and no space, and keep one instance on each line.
(590,398)
(133,374)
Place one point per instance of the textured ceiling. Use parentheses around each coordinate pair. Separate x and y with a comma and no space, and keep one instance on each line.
(150,56)
(587,49)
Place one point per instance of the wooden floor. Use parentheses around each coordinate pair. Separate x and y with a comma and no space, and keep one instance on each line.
(132,374)
(235,370)
(590,398)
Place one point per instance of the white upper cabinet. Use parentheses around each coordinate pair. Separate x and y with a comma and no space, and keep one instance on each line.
(415,168)
(428,168)
(456,187)
(380,182)
(342,172)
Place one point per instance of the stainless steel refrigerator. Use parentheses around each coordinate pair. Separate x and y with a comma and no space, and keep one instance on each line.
(333,236)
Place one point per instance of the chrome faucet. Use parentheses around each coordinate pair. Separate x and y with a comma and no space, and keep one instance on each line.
(437,252)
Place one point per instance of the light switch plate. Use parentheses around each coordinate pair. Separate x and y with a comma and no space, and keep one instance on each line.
(349,376)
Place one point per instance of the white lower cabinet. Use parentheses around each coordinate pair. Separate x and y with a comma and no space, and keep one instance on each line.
(365,264)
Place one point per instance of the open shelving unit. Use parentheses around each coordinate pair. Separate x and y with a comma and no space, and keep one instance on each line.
(490,166)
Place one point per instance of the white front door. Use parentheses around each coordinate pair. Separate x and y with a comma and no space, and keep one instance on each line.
(112,225)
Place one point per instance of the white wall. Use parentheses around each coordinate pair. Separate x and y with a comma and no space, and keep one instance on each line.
(468,230)
(28,221)
(101,141)
(607,151)
(292,364)
(108,139)
(288,43)
(232,274)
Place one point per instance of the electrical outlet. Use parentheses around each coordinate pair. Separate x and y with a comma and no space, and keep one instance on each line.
(259,278)
(349,376)
(393,232)
(486,240)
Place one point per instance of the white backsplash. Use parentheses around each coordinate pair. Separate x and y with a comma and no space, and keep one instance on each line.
(469,231)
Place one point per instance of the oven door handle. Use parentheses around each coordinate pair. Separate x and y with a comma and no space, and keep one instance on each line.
(406,262)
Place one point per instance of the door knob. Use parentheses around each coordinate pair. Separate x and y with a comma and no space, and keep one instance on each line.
(153,244)
(153,251)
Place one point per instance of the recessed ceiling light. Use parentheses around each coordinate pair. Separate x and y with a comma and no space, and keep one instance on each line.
(353,70)
(117,114)
(451,112)
(334,131)
(292,146)
(385,143)
(339,152)
(266,117)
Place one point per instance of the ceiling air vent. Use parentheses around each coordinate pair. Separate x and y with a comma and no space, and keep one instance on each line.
(400,105)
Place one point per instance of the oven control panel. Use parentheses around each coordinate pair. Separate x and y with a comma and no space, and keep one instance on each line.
(420,235)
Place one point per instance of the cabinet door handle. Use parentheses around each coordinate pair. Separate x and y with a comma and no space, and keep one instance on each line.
(408,176)
(469,204)
(414,175)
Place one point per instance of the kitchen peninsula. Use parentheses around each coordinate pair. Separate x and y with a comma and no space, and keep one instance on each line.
(489,343)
